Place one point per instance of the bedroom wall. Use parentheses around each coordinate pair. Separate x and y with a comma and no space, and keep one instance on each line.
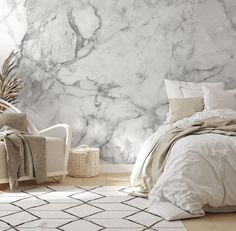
(99,65)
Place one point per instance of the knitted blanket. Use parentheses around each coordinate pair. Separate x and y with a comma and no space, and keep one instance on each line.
(25,154)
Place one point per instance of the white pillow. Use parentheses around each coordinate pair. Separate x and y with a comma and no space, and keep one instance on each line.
(190,93)
(218,99)
(177,89)
(232,91)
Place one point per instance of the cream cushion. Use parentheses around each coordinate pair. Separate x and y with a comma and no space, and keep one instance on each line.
(177,89)
(55,156)
(14,120)
(185,107)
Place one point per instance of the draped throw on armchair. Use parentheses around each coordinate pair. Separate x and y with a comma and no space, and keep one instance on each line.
(57,149)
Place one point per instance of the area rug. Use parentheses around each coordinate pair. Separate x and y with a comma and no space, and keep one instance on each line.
(79,208)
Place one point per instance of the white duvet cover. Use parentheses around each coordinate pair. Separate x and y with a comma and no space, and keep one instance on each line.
(200,173)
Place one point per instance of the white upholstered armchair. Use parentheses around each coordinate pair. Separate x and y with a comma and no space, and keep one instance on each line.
(57,149)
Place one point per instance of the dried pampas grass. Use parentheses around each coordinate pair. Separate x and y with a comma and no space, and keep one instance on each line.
(10,83)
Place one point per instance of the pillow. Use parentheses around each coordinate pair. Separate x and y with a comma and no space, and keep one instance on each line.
(185,107)
(188,93)
(14,120)
(174,88)
(232,91)
(218,99)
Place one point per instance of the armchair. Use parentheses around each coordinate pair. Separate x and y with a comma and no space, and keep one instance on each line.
(57,149)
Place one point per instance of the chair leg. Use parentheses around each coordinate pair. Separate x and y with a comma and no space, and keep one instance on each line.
(63,177)
(58,179)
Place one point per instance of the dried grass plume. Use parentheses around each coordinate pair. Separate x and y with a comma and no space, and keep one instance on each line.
(10,83)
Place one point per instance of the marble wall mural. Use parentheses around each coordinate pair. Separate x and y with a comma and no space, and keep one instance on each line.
(99,65)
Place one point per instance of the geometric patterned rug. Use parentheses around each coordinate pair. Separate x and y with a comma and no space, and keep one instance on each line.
(86,208)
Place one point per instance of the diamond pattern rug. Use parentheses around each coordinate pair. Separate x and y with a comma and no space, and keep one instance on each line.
(79,208)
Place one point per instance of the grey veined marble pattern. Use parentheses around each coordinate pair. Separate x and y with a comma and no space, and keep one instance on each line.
(99,65)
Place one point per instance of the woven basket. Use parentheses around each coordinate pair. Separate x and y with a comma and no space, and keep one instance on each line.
(83,162)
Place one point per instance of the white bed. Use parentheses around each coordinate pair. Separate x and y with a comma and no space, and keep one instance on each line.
(200,172)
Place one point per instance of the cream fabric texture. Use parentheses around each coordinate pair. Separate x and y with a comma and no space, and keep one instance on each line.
(14,120)
(181,108)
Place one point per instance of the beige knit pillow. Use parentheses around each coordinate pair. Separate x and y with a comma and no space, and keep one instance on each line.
(14,120)
(184,107)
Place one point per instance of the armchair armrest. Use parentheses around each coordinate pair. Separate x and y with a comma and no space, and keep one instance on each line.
(68,138)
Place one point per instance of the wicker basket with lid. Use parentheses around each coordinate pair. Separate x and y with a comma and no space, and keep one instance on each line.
(83,161)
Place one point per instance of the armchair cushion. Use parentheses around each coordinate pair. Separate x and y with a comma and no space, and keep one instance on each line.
(14,120)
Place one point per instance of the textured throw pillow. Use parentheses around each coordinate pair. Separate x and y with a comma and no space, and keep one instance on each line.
(175,88)
(185,107)
(218,99)
(14,120)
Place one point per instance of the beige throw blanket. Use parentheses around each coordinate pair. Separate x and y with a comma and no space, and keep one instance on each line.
(160,152)
(25,154)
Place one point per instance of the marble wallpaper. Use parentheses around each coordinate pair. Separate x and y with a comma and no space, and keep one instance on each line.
(99,65)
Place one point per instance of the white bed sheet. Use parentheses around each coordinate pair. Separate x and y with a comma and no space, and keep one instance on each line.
(200,170)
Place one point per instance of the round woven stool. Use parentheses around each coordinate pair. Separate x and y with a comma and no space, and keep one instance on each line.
(83,161)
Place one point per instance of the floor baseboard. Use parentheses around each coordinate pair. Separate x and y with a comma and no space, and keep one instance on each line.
(115,168)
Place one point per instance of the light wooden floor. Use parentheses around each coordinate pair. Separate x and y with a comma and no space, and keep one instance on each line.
(211,222)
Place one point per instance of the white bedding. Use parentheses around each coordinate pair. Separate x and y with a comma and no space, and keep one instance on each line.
(200,171)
